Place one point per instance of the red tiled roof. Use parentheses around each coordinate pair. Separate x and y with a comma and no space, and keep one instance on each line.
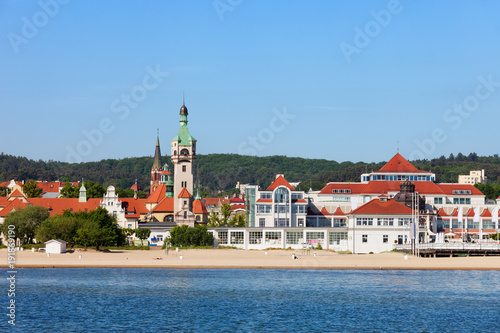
(158,194)
(134,207)
(449,188)
(355,188)
(184,193)
(264,200)
(486,213)
(165,205)
(236,200)
(15,204)
(199,207)
(238,207)
(16,193)
(299,200)
(422,187)
(470,213)
(324,211)
(377,207)
(279,181)
(59,205)
(441,212)
(454,213)
(338,211)
(136,187)
(399,164)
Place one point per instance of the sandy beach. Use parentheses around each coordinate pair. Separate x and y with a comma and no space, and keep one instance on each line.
(231,258)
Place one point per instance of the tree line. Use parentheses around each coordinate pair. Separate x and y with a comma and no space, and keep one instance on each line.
(216,174)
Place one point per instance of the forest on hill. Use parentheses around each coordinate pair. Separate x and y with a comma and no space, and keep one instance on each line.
(216,173)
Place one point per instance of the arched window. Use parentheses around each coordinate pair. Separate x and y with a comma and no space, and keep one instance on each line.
(175,152)
(281,195)
(184,152)
(197,218)
(168,218)
(185,214)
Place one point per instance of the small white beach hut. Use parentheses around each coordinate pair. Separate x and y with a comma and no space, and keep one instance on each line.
(55,246)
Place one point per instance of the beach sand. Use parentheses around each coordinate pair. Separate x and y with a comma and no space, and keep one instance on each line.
(232,258)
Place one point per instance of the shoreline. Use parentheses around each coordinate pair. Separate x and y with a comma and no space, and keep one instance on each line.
(240,259)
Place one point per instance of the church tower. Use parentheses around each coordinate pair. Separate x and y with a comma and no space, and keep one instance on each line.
(157,168)
(183,155)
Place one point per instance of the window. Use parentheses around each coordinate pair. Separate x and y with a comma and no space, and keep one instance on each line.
(266,196)
(222,237)
(185,202)
(185,214)
(237,237)
(300,222)
(255,237)
(298,209)
(315,237)
(341,198)
(262,222)
(273,237)
(438,201)
(385,239)
(472,225)
(462,192)
(488,224)
(456,225)
(183,168)
(184,152)
(400,239)
(341,191)
(294,237)
(114,213)
(404,222)
(386,222)
(197,218)
(281,195)
(159,237)
(129,226)
(364,221)
(461,201)
(364,238)
(296,195)
(282,222)
(443,224)
(336,237)
(339,223)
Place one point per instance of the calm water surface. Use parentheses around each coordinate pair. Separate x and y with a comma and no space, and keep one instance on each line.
(240,300)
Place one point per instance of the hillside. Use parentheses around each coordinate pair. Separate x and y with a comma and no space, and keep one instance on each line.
(215,172)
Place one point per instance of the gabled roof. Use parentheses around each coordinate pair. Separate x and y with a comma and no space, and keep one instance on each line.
(422,187)
(134,207)
(377,207)
(15,204)
(158,194)
(280,181)
(470,213)
(338,211)
(16,193)
(165,205)
(486,213)
(184,193)
(199,207)
(400,164)
(441,212)
(59,205)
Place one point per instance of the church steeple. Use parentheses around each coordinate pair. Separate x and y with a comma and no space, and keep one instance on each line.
(156,169)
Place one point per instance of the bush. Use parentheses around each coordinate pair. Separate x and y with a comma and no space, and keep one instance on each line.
(188,236)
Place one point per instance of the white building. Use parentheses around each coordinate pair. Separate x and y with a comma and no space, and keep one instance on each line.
(55,246)
(474,177)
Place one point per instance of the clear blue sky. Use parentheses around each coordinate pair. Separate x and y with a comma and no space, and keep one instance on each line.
(352,77)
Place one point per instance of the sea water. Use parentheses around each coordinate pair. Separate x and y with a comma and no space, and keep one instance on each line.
(249,300)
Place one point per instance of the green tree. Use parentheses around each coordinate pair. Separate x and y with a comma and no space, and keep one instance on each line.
(94,190)
(238,220)
(142,234)
(69,191)
(188,236)
(59,227)
(225,211)
(31,189)
(214,219)
(4,191)
(25,221)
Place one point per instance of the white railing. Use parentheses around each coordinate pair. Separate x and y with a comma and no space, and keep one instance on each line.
(449,246)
